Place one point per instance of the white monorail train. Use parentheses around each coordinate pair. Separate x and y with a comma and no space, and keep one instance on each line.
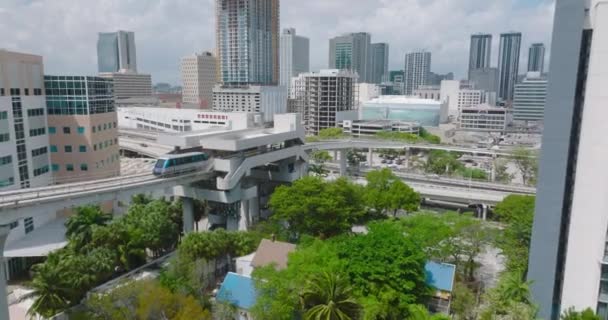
(174,164)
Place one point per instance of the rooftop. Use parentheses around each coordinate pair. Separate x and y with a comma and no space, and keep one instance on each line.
(272,252)
(402,100)
(440,275)
(237,290)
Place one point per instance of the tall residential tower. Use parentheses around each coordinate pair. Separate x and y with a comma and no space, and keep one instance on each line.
(568,257)
(480,52)
(295,56)
(417,70)
(379,63)
(536,58)
(116,52)
(508,64)
(248,41)
(352,52)
(198,79)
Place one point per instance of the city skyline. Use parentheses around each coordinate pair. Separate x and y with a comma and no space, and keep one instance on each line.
(192,30)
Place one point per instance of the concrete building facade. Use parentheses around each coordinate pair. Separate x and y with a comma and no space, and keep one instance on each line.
(508,64)
(127,85)
(116,52)
(352,52)
(458,96)
(428,92)
(536,58)
(247,35)
(83,128)
(530,97)
(480,52)
(295,56)
(379,63)
(24,140)
(369,128)
(568,256)
(417,70)
(485,79)
(269,100)
(320,96)
(198,79)
(484,117)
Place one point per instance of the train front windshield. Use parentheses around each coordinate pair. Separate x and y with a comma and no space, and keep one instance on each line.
(160,164)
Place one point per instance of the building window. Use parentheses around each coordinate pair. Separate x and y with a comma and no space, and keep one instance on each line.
(15,91)
(69,167)
(27,91)
(105,126)
(93,127)
(39,151)
(2,93)
(82,148)
(4,137)
(52,130)
(37,132)
(6,160)
(55,167)
(35,112)
(68,149)
(7,182)
(3,115)
(80,130)
(99,128)
(84,167)
(53,148)
(14,224)
(41,171)
(37,92)
(94,147)
(28,224)
(114,124)
(66,130)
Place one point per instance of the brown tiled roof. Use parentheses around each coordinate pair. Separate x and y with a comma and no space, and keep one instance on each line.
(270,252)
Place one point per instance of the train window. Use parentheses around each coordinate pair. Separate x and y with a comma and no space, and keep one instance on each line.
(160,163)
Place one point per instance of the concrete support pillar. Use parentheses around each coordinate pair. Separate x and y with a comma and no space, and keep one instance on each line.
(406,162)
(370,157)
(4,230)
(244,218)
(335,155)
(254,210)
(493,169)
(342,163)
(484,212)
(188,214)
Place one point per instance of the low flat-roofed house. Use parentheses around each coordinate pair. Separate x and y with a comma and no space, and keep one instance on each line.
(440,276)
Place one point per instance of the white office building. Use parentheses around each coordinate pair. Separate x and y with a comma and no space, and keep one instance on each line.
(458,95)
(484,117)
(367,91)
(199,76)
(24,140)
(129,85)
(269,100)
(321,96)
(369,128)
(294,57)
(530,97)
(417,70)
(568,255)
(183,120)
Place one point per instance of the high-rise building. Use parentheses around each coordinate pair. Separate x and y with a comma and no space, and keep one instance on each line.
(295,56)
(379,63)
(320,96)
(417,70)
(198,79)
(536,58)
(529,99)
(247,34)
(568,257)
(480,52)
(24,140)
(269,100)
(484,79)
(352,52)
(129,85)
(508,64)
(396,78)
(116,51)
(83,128)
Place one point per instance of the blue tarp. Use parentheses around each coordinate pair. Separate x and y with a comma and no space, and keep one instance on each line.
(237,290)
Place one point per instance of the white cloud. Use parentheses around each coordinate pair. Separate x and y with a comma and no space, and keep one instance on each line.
(65,31)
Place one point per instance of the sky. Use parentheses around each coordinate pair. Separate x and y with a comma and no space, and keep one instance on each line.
(64,32)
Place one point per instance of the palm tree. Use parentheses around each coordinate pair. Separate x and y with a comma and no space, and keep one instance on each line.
(79,227)
(50,294)
(329,297)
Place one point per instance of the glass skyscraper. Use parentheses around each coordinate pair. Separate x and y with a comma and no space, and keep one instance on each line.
(248,41)
(352,52)
(480,52)
(536,58)
(116,51)
(508,64)
(379,63)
